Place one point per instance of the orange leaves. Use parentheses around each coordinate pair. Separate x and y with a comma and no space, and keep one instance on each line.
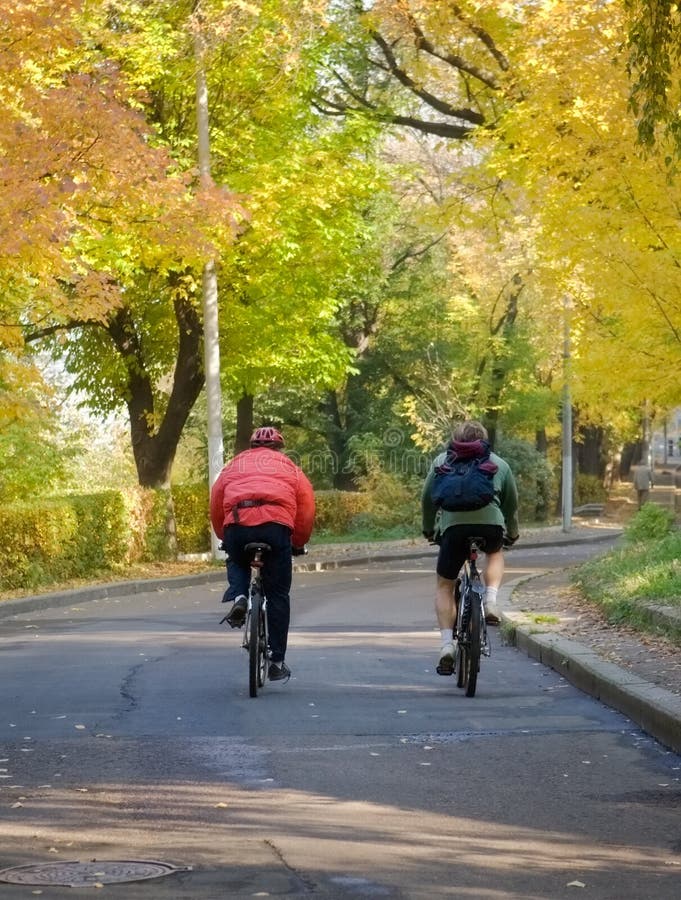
(86,191)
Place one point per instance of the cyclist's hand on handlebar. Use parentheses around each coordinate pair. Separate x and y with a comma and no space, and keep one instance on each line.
(509,541)
(298,551)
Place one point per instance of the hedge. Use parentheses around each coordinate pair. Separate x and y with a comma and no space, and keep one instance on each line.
(59,539)
(73,537)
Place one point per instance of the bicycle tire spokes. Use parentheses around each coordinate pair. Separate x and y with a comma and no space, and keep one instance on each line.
(471,630)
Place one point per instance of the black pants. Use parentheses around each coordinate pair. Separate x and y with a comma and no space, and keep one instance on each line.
(454,546)
(277,574)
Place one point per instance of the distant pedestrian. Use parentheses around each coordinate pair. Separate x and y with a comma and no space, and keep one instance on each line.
(643,481)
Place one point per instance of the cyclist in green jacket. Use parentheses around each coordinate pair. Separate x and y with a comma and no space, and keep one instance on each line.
(497,523)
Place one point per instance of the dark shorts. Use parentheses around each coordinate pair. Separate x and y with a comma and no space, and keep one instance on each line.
(454,546)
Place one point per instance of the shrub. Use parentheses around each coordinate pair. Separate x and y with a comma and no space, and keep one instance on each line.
(192,518)
(160,540)
(651,523)
(589,489)
(393,502)
(534,477)
(337,509)
(58,539)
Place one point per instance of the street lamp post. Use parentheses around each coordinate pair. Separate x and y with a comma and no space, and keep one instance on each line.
(567,422)
(211,341)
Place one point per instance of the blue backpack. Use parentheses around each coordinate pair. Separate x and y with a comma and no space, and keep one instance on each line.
(464,484)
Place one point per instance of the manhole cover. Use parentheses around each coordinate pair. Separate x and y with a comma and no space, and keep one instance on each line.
(81,874)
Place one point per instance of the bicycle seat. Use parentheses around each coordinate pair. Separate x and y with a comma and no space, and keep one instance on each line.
(257,545)
(478,541)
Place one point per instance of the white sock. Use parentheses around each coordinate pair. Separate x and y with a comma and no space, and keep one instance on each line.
(491,595)
(447,635)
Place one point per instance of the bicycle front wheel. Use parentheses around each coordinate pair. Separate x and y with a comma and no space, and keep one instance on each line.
(473,641)
(257,659)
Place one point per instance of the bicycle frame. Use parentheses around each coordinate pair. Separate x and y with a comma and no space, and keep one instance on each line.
(470,628)
(256,640)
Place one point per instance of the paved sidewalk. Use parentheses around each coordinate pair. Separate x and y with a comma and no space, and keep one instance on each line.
(543,616)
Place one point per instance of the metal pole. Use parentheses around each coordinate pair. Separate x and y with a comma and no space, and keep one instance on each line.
(567,423)
(211,334)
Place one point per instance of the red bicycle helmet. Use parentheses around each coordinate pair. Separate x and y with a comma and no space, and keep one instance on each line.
(267,437)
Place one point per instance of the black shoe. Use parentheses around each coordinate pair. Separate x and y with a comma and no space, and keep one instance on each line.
(237,615)
(279,672)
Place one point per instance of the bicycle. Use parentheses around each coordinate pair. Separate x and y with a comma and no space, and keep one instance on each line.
(471,629)
(255,633)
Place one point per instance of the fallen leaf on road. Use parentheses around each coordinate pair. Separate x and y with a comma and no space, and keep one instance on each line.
(17,805)
(221,806)
(575,884)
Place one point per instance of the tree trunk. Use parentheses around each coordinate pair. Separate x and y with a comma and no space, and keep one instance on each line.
(541,442)
(591,458)
(244,423)
(337,438)
(631,455)
(499,367)
(154,444)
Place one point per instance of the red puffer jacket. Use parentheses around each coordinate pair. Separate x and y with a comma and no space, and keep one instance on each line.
(266,475)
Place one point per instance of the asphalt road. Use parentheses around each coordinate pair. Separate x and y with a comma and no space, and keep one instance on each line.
(127,733)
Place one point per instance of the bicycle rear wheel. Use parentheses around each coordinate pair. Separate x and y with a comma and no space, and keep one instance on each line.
(461,661)
(257,659)
(473,641)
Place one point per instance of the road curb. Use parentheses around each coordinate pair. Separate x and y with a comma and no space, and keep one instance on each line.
(59,599)
(654,709)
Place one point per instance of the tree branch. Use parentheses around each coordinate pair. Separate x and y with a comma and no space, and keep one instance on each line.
(49,330)
(468,115)
(453,60)
(412,253)
(483,36)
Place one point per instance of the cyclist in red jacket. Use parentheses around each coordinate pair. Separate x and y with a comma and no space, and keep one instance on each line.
(262,495)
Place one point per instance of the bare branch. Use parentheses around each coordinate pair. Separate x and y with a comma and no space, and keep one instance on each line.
(469,115)
(453,59)
(483,36)
(414,253)
(71,325)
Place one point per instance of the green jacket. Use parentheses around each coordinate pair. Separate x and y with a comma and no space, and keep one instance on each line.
(503,510)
